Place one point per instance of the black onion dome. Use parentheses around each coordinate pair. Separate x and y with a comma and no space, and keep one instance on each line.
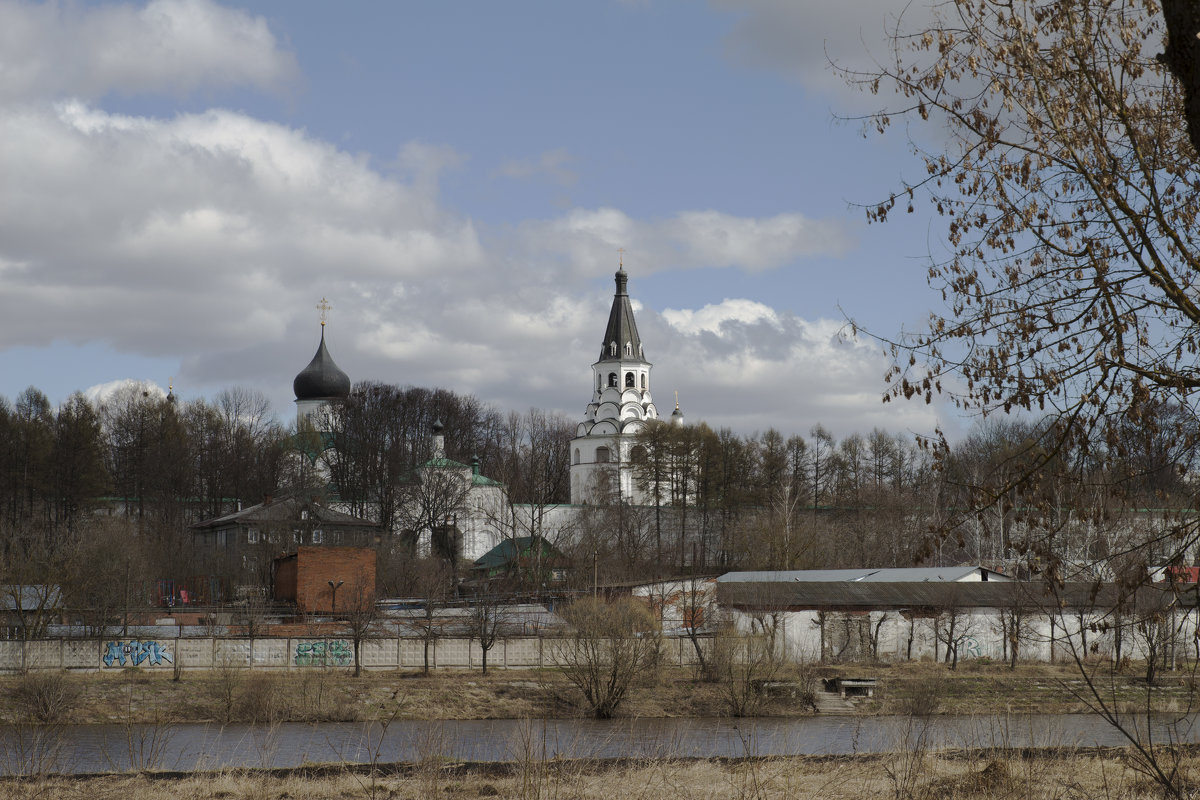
(321,379)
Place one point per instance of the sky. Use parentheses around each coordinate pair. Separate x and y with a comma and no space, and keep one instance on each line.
(182,181)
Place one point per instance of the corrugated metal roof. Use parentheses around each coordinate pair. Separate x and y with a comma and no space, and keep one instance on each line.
(286,509)
(30,597)
(874,574)
(849,595)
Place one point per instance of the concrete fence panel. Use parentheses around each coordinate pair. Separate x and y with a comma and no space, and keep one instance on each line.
(80,653)
(271,653)
(412,654)
(378,653)
(43,654)
(454,653)
(231,653)
(523,652)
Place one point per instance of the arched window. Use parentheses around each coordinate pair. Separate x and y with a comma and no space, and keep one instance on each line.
(601,455)
(576,461)
(612,379)
(612,348)
(643,381)
(638,454)
(628,349)
(629,380)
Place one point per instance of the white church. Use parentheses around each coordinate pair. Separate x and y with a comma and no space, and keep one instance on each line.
(602,452)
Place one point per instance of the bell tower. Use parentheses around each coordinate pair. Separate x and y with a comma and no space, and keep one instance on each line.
(601,461)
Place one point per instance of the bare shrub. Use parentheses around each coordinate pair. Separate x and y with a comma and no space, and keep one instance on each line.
(44,697)
(615,644)
(260,698)
(319,700)
(744,665)
(923,700)
(224,688)
(33,746)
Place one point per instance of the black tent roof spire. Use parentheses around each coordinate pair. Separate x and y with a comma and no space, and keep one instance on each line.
(621,339)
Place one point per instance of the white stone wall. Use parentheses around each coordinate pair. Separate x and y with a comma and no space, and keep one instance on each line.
(1043,636)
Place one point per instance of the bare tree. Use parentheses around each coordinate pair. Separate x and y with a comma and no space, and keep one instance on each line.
(487,621)
(952,626)
(1066,291)
(614,645)
(360,617)
(433,587)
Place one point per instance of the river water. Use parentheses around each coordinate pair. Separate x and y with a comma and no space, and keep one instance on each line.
(115,748)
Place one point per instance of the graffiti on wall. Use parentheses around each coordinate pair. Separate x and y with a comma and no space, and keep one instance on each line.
(336,653)
(971,648)
(135,652)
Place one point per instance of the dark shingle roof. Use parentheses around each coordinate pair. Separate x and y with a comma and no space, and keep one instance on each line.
(621,327)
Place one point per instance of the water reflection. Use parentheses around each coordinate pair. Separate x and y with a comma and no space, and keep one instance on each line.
(114,748)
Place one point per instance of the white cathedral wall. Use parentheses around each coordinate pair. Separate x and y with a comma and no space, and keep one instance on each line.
(309,412)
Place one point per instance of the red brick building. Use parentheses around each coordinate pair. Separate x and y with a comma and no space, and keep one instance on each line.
(327,580)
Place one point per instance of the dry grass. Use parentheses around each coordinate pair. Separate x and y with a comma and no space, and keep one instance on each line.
(1059,776)
(991,688)
(332,695)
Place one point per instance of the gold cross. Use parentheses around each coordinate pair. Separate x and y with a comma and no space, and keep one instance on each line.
(323,307)
(621,257)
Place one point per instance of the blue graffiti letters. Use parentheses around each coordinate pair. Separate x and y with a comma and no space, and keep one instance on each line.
(135,652)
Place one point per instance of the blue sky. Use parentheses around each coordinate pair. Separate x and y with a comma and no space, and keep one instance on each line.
(182,181)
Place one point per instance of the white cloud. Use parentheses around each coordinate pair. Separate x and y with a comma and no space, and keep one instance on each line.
(586,239)
(711,318)
(103,392)
(62,49)
(741,364)
(149,230)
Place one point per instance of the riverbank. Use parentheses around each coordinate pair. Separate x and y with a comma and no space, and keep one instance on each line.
(333,695)
(1031,775)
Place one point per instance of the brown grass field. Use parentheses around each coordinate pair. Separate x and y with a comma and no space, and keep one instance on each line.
(1062,775)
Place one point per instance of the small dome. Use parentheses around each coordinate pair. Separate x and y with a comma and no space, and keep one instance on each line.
(321,379)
